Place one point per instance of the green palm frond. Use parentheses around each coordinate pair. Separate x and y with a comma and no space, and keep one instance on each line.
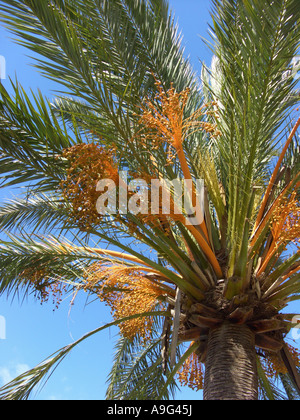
(108,63)
(25,264)
(55,258)
(247,82)
(22,386)
(137,373)
(177,366)
(268,389)
(289,387)
(37,213)
(31,140)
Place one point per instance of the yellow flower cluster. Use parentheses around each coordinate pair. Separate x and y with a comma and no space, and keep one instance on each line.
(286,221)
(164,120)
(128,292)
(88,163)
(45,287)
(273,364)
(191,373)
(164,123)
(285,227)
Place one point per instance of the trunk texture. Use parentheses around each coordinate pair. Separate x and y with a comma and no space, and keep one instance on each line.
(230,367)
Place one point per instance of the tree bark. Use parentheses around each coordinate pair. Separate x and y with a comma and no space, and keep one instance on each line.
(230,367)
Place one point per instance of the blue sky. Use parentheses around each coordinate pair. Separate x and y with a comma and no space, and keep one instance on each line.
(34,331)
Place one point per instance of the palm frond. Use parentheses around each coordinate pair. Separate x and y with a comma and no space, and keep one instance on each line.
(25,264)
(178,365)
(267,389)
(31,140)
(21,387)
(137,373)
(52,257)
(38,212)
(289,386)
(109,63)
(255,43)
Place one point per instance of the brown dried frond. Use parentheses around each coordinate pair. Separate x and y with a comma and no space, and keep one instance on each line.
(128,292)
(88,163)
(191,373)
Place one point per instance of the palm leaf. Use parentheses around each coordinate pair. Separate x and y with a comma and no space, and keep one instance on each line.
(21,387)
(268,390)
(137,373)
(178,365)
(37,212)
(31,140)
(247,83)
(108,63)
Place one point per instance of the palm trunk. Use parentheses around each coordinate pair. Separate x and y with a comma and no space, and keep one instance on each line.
(231,370)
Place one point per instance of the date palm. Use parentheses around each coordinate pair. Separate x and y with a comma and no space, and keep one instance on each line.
(131,103)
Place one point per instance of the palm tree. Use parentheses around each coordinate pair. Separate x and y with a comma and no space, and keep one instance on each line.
(132,105)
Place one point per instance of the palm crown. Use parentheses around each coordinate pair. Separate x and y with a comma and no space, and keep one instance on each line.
(132,104)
